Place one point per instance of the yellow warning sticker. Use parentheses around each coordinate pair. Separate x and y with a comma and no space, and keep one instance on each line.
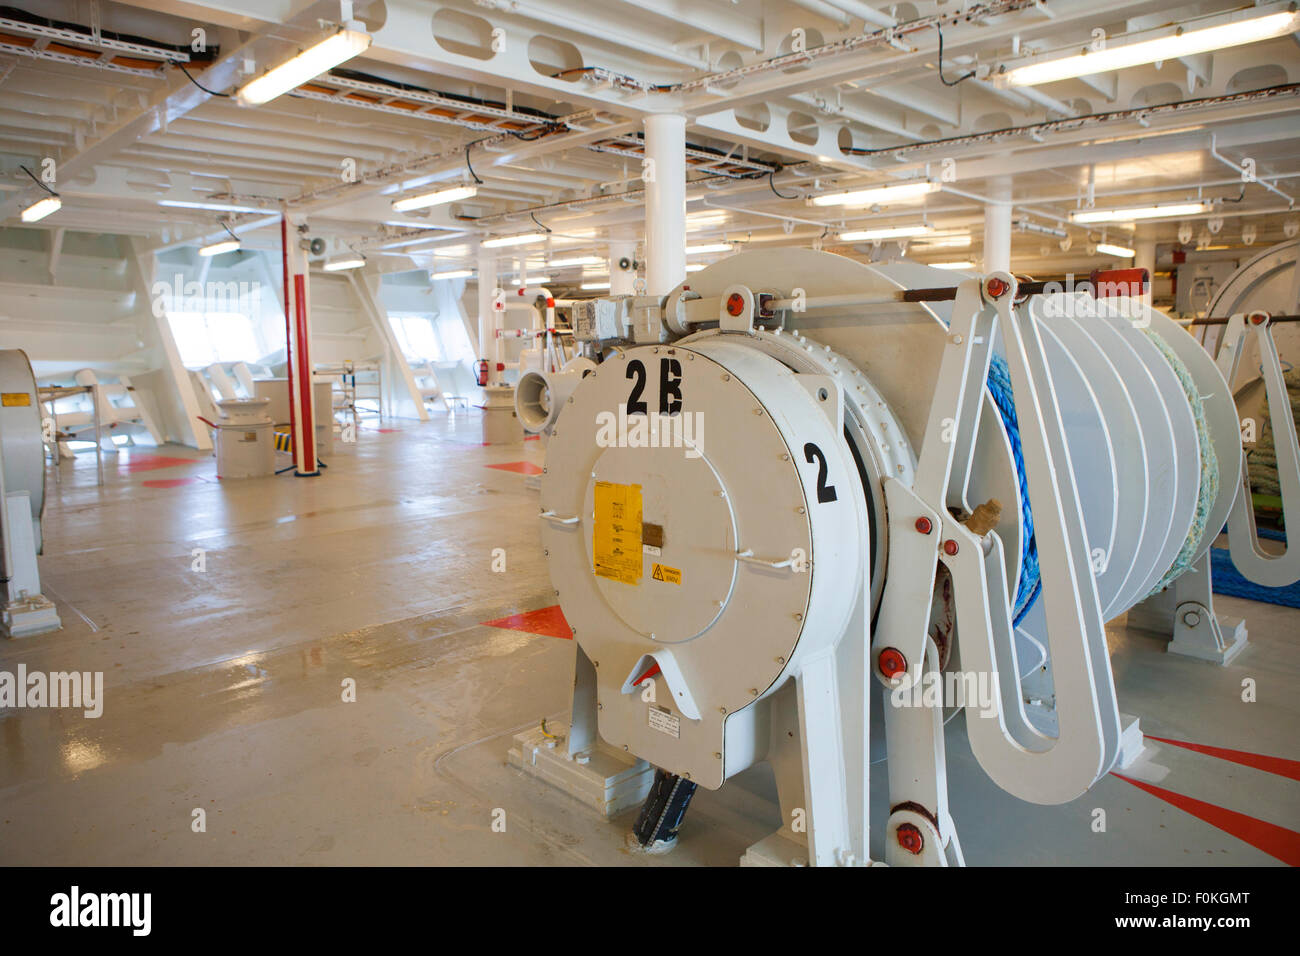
(15,399)
(661,572)
(616,532)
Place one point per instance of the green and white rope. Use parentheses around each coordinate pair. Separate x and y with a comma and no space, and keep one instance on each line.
(1209,484)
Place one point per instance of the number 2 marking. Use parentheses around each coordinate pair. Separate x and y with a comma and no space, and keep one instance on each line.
(825,492)
(636,369)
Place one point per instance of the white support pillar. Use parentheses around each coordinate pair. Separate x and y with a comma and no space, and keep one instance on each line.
(367,295)
(297,298)
(488,315)
(665,209)
(144,268)
(997,227)
(622,281)
(1146,259)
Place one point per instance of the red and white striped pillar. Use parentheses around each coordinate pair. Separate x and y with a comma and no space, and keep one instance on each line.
(297,319)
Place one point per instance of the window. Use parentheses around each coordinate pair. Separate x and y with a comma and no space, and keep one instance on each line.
(203,338)
(415,335)
(431,338)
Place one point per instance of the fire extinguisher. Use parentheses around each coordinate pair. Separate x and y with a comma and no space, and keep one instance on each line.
(482,372)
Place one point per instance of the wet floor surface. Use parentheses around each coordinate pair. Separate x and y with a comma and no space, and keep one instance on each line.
(232,619)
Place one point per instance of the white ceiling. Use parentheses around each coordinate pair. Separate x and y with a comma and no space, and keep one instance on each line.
(404,114)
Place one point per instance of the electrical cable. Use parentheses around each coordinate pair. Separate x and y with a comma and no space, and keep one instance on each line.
(181,67)
(771,177)
(469,165)
(541,225)
(37,181)
(942,78)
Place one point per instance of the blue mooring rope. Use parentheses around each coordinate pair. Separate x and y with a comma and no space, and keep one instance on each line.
(1030,584)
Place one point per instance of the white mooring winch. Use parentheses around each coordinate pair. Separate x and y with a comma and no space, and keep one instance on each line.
(794,483)
(24,611)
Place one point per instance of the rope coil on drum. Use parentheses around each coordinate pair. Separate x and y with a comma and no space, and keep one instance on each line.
(1208,488)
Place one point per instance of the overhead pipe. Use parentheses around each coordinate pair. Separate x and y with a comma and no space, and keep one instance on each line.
(1242,169)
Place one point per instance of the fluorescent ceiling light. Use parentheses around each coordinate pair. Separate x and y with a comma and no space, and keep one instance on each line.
(452,274)
(350,40)
(1129,213)
(695,267)
(708,247)
(595,285)
(576,261)
(897,232)
(948,242)
(217,248)
(214,206)
(705,220)
(877,194)
(1118,55)
(532,280)
(344,262)
(42,208)
(951,265)
(523,239)
(435,198)
(1123,252)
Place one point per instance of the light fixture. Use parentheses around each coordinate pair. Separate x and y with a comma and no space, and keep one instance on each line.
(951,265)
(47,204)
(1240,28)
(945,242)
(42,208)
(224,245)
(596,285)
(576,261)
(349,261)
(695,267)
(212,205)
(532,280)
(217,248)
(1106,249)
(1129,213)
(435,198)
(708,247)
(348,41)
(896,232)
(877,194)
(705,219)
(452,274)
(522,239)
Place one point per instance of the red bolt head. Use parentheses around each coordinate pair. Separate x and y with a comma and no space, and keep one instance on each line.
(923,525)
(909,838)
(891,662)
(950,547)
(996,287)
(1258,318)
(735,304)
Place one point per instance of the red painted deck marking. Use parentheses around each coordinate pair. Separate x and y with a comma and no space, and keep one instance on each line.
(1278,765)
(139,462)
(547,621)
(170,482)
(522,467)
(1276,841)
(532,438)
